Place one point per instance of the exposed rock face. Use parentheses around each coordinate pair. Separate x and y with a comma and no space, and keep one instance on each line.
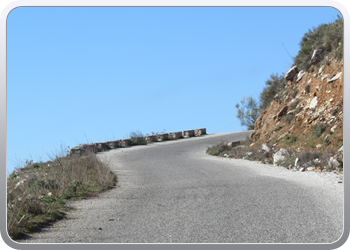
(323,104)
(282,111)
(291,73)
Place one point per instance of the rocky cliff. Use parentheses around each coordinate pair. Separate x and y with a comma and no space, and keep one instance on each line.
(307,116)
(310,110)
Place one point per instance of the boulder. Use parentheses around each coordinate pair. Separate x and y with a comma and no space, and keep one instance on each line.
(280,155)
(337,160)
(291,73)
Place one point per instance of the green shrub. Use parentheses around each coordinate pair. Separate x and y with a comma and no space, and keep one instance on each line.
(307,88)
(137,138)
(307,156)
(319,129)
(218,149)
(326,37)
(275,84)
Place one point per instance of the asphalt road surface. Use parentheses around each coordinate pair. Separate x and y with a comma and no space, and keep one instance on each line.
(172,192)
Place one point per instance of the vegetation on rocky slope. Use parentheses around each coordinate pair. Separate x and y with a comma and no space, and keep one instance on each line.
(301,112)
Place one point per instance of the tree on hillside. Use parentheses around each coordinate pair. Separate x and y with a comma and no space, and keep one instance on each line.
(248,112)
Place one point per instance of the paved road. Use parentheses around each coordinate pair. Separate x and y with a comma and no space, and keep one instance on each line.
(173,192)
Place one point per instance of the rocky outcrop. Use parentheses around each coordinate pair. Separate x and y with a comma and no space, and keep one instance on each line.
(323,104)
(291,73)
(298,116)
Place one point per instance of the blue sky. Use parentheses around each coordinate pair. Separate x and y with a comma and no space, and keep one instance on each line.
(83,74)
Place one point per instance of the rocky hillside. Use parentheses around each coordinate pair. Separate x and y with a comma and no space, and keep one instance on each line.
(310,110)
(300,125)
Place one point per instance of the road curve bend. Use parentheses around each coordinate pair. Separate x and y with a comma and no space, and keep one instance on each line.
(173,192)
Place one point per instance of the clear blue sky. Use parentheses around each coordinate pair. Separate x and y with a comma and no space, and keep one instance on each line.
(83,74)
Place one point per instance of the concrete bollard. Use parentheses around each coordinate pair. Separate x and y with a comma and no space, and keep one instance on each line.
(200,131)
(162,137)
(89,148)
(175,135)
(101,146)
(76,150)
(188,133)
(150,138)
(113,144)
(124,143)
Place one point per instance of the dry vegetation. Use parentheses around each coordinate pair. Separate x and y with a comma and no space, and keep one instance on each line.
(37,192)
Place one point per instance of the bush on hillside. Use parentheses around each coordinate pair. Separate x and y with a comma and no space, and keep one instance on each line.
(275,84)
(326,37)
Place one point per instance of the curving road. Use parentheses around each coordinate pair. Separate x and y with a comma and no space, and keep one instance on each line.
(173,192)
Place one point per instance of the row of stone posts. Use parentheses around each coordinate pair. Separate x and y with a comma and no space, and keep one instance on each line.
(103,146)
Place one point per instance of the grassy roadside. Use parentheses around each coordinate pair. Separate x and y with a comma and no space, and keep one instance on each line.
(37,192)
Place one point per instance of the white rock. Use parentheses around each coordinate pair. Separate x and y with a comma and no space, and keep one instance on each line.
(310,168)
(281,155)
(296,164)
(324,77)
(331,100)
(266,147)
(320,70)
(313,103)
(336,77)
(333,128)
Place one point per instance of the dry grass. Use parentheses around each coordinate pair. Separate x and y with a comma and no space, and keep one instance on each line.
(37,192)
